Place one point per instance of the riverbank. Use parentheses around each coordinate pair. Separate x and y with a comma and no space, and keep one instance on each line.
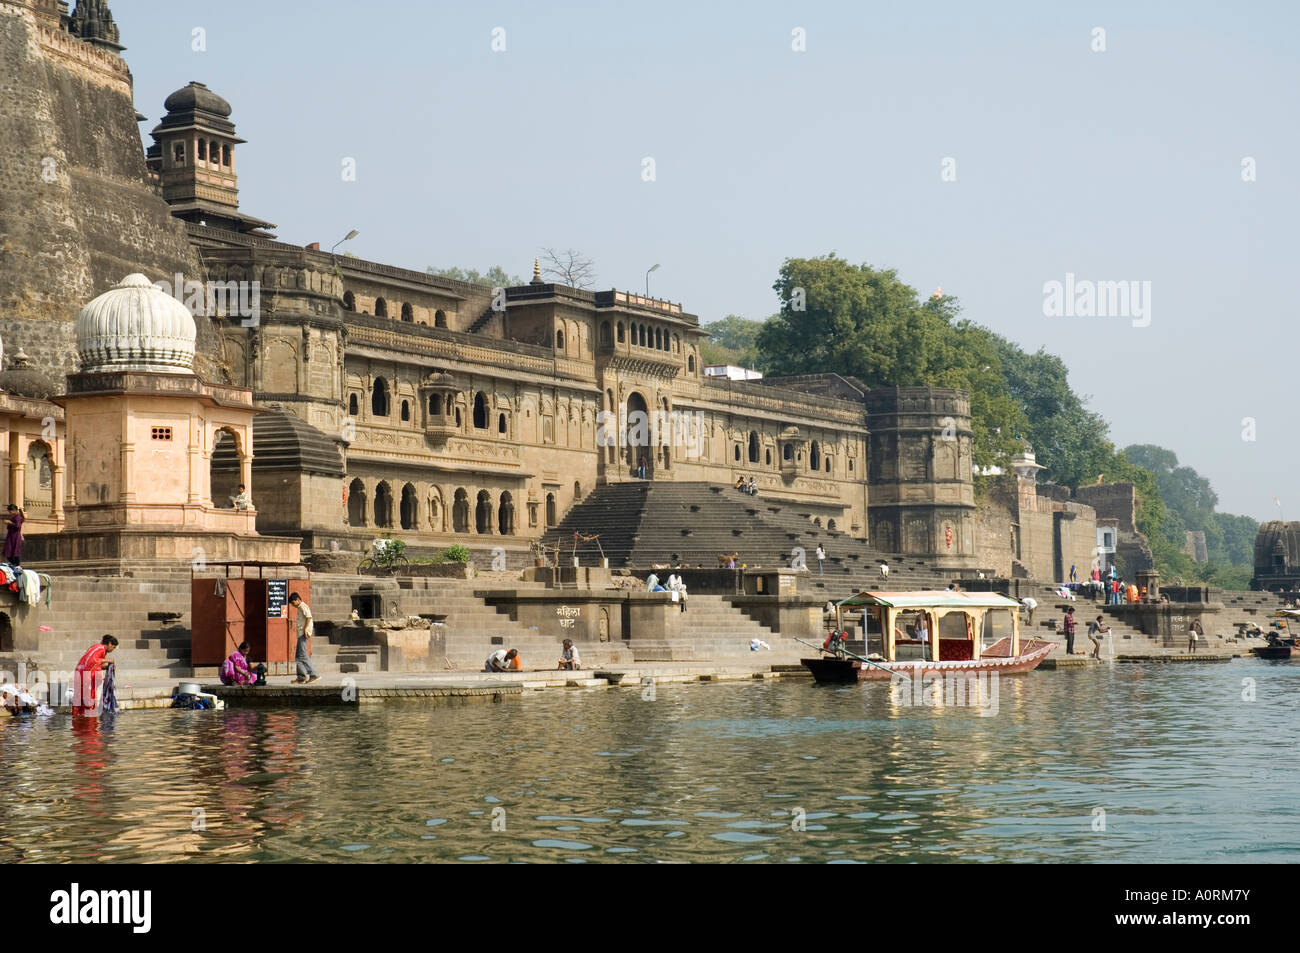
(454,687)
(449,687)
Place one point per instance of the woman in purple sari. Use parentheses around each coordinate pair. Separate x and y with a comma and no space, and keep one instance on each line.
(14,536)
(235,670)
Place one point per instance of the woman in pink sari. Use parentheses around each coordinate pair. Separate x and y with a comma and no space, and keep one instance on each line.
(13,535)
(88,679)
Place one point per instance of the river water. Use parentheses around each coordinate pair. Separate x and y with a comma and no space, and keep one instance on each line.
(1121,764)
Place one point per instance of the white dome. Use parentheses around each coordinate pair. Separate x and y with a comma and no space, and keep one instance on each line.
(136,327)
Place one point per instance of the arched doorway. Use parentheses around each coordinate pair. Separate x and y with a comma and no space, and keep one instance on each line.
(815,456)
(409,507)
(483,512)
(506,515)
(223,469)
(550,509)
(356,503)
(637,436)
(383,505)
(460,512)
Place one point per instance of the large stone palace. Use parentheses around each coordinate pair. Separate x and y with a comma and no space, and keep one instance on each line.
(396,401)
(390,401)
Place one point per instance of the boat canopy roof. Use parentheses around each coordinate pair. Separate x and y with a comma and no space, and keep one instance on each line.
(932,599)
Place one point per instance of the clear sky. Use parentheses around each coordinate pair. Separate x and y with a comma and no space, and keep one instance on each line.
(1124,164)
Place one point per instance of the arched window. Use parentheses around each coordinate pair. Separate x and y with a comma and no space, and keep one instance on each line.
(620,332)
(457,416)
(737,448)
(480,411)
(550,509)
(406,411)
(408,314)
(659,341)
(410,503)
(815,456)
(202,151)
(577,491)
(460,512)
(440,319)
(501,424)
(677,344)
(178,153)
(353,409)
(379,399)
(381,308)
(690,363)
(850,464)
(828,464)
(753,446)
(225,156)
(606,334)
(787,452)
(435,405)
(559,340)
(383,505)
(483,513)
(349,301)
(356,503)
(506,515)
(830,525)
(767,456)
(642,333)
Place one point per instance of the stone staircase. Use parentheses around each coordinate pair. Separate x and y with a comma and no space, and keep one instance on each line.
(1126,639)
(148,611)
(714,629)
(642,523)
(458,613)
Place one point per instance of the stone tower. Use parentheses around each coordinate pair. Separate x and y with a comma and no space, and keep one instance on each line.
(921,494)
(193,157)
(77,210)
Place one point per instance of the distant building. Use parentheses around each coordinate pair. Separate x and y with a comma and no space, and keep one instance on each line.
(732,372)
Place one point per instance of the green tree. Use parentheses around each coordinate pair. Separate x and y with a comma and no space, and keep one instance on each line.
(494,277)
(864,322)
(733,340)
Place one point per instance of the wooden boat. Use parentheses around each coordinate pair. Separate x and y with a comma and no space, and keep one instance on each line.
(949,653)
(1275,651)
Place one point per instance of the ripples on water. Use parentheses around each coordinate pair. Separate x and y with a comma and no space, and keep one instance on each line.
(1183,768)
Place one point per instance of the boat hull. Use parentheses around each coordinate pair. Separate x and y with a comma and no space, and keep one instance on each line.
(839,671)
(1275,652)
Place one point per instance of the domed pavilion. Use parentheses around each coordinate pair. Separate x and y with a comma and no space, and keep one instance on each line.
(142,430)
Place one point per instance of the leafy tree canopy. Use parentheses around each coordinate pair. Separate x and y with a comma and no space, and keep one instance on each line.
(494,277)
(864,322)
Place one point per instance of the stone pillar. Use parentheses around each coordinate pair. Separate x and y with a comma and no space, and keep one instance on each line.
(56,502)
(17,469)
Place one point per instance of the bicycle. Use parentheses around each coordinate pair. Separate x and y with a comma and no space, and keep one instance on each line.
(386,558)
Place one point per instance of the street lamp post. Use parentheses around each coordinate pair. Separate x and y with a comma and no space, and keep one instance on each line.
(346,238)
(647,279)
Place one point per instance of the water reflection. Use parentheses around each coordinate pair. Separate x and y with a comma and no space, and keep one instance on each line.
(1173,756)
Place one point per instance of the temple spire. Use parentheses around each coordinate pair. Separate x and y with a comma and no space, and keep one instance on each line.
(92,21)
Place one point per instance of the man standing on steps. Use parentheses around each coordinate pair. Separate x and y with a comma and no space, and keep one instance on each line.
(1096,629)
(821,556)
(306,629)
(1069,630)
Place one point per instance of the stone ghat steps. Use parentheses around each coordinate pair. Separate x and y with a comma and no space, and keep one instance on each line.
(645,523)
(468,652)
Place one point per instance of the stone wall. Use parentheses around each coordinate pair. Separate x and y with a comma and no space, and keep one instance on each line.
(78,213)
(995,532)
